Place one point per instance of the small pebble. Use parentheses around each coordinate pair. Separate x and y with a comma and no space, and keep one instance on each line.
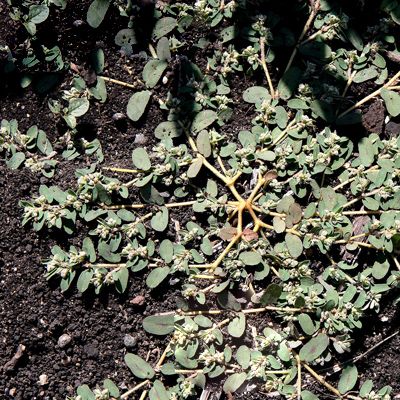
(118,117)
(64,340)
(130,341)
(78,23)
(43,380)
(138,300)
(140,139)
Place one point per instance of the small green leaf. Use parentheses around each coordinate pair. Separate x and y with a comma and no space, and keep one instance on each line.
(392,101)
(348,379)
(158,391)
(234,382)
(289,82)
(78,107)
(250,257)
(365,75)
(256,94)
(307,395)
(203,143)
(137,104)
(314,347)
(38,13)
(243,356)
(139,367)
(195,168)
(168,129)
(153,71)
(84,280)
(85,392)
(16,160)
(306,324)
(141,159)
(156,276)
(96,12)
(203,119)
(111,387)
(294,245)
(166,250)
(159,324)
(104,250)
(159,222)
(163,51)
(237,326)
(164,26)
(271,294)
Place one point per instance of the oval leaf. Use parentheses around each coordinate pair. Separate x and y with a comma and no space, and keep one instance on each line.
(137,104)
(314,348)
(138,366)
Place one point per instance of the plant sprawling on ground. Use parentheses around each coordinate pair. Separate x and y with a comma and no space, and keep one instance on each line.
(293,218)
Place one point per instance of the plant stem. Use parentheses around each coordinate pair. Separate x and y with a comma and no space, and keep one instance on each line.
(298,382)
(116,81)
(265,67)
(134,389)
(170,205)
(321,380)
(370,96)
(307,25)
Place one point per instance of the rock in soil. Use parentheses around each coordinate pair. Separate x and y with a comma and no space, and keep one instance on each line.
(64,340)
(130,341)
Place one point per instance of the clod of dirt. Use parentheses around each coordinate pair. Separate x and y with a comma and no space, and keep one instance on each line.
(130,341)
(11,365)
(64,340)
(138,300)
(374,118)
(392,129)
(91,351)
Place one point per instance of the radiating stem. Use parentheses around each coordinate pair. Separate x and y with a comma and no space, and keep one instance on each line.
(265,67)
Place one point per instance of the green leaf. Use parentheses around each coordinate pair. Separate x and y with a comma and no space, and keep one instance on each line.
(317,50)
(307,395)
(137,104)
(243,356)
(271,294)
(104,250)
(164,26)
(85,392)
(16,160)
(256,94)
(323,110)
(392,101)
(306,324)
(203,143)
(88,248)
(234,382)
(84,280)
(163,51)
(38,13)
(203,119)
(111,387)
(365,75)
(250,257)
(125,37)
(156,276)
(122,279)
(158,391)
(194,168)
(96,12)
(168,129)
(237,326)
(348,379)
(141,159)
(98,60)
(139,367)
(78,107)
(314,347)
(153,71)
(294,245)
(366,151)
(289,82)
(159,324)
(159,222)
(166,250)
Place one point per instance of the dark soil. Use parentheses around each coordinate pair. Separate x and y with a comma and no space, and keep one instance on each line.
(34,313)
